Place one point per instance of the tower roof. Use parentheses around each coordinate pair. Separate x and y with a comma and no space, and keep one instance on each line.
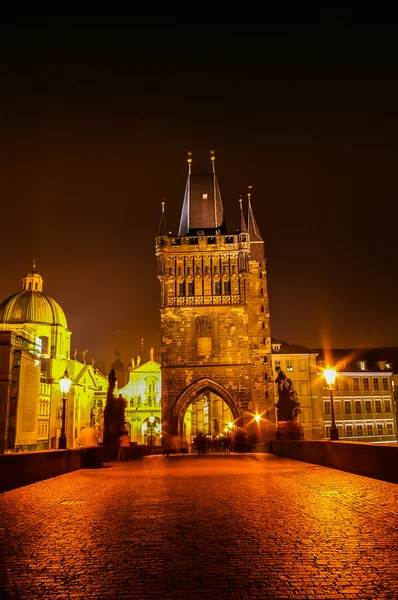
(202,208)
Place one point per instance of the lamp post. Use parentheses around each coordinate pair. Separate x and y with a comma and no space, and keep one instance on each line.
(330,376)
(151,422)
(65,383)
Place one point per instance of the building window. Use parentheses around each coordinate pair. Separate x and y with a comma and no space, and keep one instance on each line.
(380,429)
(365,383)
(303,389)
(348,429)
(217,288)
(277,363)
(369,428)
(385,383)
(181,289)
(359,430)
(387,405)
(389,428)
(265,377)
(347,407)
(204,196)
(190,288)
(376,383)
(289,365)
(378,406)
(301,365)
(368,406)
(356,383)
(227,288)
(327,431)
(358,407)
(327,407)
(362,366)
(263,325)
(346,384)
(30,285)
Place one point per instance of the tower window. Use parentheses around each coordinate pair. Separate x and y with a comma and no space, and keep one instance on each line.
(227,288)
(36,285)
(181,289)
(217,288)
(204,196)
(30,285)
(190,288)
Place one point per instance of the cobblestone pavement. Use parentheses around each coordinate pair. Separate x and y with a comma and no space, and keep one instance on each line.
(234,527)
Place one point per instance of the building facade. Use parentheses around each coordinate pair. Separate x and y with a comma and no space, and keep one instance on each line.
(215,320)
(32,319)
(143,403)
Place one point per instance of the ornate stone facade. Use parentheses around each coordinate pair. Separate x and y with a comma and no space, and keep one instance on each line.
(215,322)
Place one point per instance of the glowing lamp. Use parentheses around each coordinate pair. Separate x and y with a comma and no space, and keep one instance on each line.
(330,376)
(65,382)
(257,418)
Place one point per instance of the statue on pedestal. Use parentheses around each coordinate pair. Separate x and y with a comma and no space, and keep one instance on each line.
(114,412)
(288,407)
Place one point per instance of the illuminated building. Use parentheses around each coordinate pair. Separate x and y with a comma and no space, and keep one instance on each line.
(364,393)
(215,322)
(38,319)
(299,364)
(143,396)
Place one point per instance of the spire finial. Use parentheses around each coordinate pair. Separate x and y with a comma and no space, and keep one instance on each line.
(189,160)
(212,158)
(162,224)
(34,265)
(249,188)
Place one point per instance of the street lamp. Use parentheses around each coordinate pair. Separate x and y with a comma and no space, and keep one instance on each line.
(330,376)
(151,422)
(65,383)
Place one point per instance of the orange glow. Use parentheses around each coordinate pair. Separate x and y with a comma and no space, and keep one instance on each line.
(257,418)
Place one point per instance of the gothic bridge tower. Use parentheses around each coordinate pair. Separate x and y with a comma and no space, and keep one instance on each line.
(215,322)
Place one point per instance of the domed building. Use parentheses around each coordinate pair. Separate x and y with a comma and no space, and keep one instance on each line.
(35,352)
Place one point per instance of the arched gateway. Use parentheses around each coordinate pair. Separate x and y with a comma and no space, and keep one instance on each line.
(215,323)
(192,392)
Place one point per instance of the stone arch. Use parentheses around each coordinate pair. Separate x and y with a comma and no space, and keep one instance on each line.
(192,391)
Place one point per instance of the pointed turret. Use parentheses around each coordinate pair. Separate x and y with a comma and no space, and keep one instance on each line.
(202,209)
(243,228)
(162,224)
(256,241)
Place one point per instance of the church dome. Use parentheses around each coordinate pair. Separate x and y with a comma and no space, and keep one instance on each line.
(31,305)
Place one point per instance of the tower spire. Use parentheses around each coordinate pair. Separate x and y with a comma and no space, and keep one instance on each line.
(243,228)
(162,224)
(256,241)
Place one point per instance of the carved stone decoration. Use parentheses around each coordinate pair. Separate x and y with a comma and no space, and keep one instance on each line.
(203,326)
(204,335)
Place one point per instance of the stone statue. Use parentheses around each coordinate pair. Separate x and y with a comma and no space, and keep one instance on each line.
(133,363)
(74,353)
(92,362)
(84,352)
(151,354)
(288,408)
(114,416)
(138,360)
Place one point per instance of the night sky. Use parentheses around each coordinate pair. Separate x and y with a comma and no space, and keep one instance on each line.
(97,115)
